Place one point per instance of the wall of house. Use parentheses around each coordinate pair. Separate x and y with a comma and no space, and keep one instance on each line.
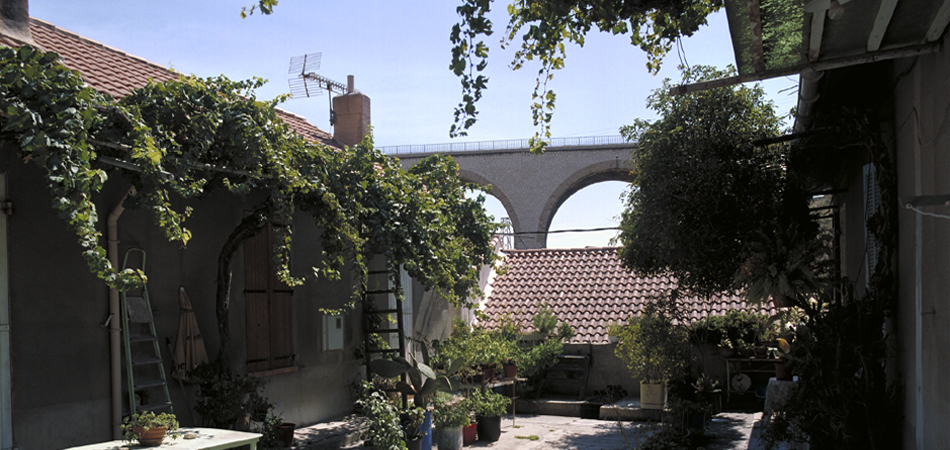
(60,350)
(922,139)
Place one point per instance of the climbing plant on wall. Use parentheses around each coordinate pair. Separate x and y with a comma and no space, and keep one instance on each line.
(190,137)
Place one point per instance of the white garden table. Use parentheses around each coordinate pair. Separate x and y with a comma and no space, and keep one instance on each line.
(207,439)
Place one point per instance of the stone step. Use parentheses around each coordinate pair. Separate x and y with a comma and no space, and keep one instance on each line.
(340,433)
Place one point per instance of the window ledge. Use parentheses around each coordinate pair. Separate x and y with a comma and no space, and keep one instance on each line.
(267,373)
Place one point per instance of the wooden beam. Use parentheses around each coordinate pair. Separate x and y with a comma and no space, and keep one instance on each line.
(817,29)
(818,10)
(883,19)
(914,50)
(940,22)
(755,20)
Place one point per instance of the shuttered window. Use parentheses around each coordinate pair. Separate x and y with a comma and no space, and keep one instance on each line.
(269,307)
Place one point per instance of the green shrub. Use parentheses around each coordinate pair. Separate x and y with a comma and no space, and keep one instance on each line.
(544,320)
(487,403)
(450,411)
(385,430)
(654,349)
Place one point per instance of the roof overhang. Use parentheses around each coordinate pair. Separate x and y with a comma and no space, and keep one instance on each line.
(773,38)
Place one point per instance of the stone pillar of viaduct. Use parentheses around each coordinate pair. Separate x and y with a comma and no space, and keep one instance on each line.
(532,187)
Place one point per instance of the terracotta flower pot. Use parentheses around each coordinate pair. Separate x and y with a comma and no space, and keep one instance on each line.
(153,437)
(511,370)
(468,434)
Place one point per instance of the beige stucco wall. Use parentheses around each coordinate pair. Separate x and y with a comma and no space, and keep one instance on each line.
(921,126)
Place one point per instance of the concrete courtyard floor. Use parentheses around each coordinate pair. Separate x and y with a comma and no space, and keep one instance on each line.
(727,431)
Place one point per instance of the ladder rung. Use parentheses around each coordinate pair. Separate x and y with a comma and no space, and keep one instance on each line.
(143,338)
(149,384)
(384,350)
(574,357)
(388,330)
(142,362)
(377,292)
(154,406)
(376,272)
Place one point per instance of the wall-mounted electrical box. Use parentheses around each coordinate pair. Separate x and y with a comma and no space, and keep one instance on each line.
(332,332)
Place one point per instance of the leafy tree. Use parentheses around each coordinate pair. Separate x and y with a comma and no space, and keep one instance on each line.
(704,193)
(191,137)
(542,27)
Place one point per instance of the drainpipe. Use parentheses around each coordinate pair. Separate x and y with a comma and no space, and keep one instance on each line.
(115,350)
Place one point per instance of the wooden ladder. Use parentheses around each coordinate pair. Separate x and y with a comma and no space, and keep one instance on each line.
(142,353)
(376,321)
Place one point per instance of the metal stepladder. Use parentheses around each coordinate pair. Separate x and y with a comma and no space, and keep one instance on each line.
(143,357)
(375,321)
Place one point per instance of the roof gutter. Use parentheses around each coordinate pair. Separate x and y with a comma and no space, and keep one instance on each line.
(837,63)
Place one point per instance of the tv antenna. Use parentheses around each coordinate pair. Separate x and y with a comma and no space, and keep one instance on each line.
(309,84)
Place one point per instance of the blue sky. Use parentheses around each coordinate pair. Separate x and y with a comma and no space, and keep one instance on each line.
(399,53)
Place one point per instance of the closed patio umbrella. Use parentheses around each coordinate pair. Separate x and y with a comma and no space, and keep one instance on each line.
(189,346)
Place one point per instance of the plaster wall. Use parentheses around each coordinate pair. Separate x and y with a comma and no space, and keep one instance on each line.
(609,370)
(60,350)
(922,140)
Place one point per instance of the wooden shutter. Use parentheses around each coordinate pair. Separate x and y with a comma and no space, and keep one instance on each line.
(269,307)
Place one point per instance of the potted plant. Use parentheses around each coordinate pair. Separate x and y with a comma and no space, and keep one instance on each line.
(613,331)
(655,350)
(416,424)
(450,416)
(708,392)
(488,407)
(385,430)
(149,429)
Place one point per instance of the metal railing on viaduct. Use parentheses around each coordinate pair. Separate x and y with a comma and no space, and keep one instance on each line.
(532,186)
(510,144)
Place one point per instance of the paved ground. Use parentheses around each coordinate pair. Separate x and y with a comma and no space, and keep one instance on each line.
(726,432)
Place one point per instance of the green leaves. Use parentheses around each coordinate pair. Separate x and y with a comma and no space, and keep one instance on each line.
(540,28)
(190,137)
(702,189)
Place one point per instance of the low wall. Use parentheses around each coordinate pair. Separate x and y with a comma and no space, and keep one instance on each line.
(609,370)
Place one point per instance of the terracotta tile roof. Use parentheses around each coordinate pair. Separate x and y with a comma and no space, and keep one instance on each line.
(112,71)
(587,288)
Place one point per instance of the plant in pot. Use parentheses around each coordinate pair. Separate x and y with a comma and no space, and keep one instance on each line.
(488,407)
(613,331)
(487,350)
(423,380)
(385,430)
(416,425)
(708,392)
(655,350)
(450,416)
(149,429)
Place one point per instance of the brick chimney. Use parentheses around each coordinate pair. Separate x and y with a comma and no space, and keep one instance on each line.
(352,115)
(15,21)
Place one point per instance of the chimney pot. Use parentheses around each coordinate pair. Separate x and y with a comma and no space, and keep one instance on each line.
(350,84)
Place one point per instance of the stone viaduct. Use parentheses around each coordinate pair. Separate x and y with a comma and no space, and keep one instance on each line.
(532,187)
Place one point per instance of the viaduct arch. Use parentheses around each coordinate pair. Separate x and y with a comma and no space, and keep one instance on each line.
(532,187)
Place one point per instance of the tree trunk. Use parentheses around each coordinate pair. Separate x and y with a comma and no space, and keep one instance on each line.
(248,228)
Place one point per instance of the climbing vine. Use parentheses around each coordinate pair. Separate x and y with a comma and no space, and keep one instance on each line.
(189,137)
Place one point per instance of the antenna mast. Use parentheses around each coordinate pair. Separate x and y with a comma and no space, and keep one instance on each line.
(308,83)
